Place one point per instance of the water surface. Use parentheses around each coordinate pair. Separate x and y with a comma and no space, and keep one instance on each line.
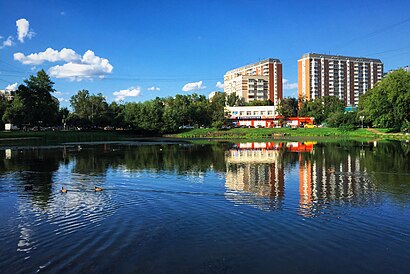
(206,208)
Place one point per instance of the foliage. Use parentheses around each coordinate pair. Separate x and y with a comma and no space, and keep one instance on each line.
(343,120)
(321,108)
(232,99)
(288,107)
(258,103)
(33,103)
(388,103)
(89,111)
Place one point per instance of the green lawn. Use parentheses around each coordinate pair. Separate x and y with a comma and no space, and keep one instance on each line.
(253,133)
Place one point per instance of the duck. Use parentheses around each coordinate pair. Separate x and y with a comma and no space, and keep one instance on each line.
(98,188)
(63,190)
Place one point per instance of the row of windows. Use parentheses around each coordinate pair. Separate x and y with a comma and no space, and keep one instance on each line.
(254,113)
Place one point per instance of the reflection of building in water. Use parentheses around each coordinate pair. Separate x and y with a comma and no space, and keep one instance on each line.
(320,183)
(255,171)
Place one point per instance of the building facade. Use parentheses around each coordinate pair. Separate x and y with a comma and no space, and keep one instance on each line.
(254,116)
(331,75)
(256,82)
(8,94)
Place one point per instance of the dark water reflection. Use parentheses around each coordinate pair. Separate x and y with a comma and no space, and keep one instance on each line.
(224,208)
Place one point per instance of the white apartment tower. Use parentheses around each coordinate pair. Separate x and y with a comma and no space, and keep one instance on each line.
(258,81)
(330,75)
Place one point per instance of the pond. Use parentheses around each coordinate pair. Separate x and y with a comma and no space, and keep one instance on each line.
(177,207)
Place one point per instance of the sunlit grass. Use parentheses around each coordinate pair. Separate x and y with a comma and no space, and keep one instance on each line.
(254,133)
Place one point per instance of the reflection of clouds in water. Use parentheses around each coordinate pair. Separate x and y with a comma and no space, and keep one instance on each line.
(195,176)
(79,208)
(125,172)
(25,243)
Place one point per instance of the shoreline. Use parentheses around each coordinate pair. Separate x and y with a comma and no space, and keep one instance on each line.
(277,134)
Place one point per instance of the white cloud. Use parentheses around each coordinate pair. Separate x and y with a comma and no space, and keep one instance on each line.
(11,87)
(287,85)
(130,92)
(62,13)
(23,30)
(219,85)
(49,55)
(7,43)
(193,86)
(78,68)
(154,89)
(89,67)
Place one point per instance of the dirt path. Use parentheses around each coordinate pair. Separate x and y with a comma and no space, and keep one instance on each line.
(375,131)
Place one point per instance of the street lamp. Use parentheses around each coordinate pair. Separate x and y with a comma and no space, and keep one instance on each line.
(361,119)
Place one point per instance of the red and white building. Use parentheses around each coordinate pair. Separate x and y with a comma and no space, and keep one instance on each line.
(263,116)
(254,116)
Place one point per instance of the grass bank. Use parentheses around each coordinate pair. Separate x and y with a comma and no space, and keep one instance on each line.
(263,133)
(64,136)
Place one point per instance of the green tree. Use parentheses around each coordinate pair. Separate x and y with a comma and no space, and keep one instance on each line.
(288,107)
(343,120)
(15,113)
(231,99)
(321,108)
(116,115)
(89,110)
(388,103)
(259,103)
(34,100)
(217,110)
(4,105)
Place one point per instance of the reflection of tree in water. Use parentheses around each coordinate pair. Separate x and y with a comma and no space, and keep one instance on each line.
(33,167)
(179,158)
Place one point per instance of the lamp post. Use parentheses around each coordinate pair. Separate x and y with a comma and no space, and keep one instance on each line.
(361,119)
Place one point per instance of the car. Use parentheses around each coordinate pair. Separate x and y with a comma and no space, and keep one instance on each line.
(186,127)
(310,126)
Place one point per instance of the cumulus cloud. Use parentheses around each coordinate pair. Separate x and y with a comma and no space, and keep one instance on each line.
(7,43)
(219,85)
(154,88)
(62,99)
(77,68)
(49,55)
(130,92)
(23,30)
(11,87)
(193,86)
(287,85)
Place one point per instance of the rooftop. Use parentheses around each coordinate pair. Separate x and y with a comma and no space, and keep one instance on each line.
(269,60)
(327,56)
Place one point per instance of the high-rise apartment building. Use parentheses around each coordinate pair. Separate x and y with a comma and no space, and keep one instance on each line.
(258,81)
(330,75)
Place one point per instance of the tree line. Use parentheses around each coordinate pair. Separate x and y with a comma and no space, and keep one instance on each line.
(33,105)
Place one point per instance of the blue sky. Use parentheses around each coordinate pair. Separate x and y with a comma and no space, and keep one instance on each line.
(124,48)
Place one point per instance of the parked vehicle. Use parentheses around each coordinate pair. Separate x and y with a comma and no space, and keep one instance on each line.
(310,126)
